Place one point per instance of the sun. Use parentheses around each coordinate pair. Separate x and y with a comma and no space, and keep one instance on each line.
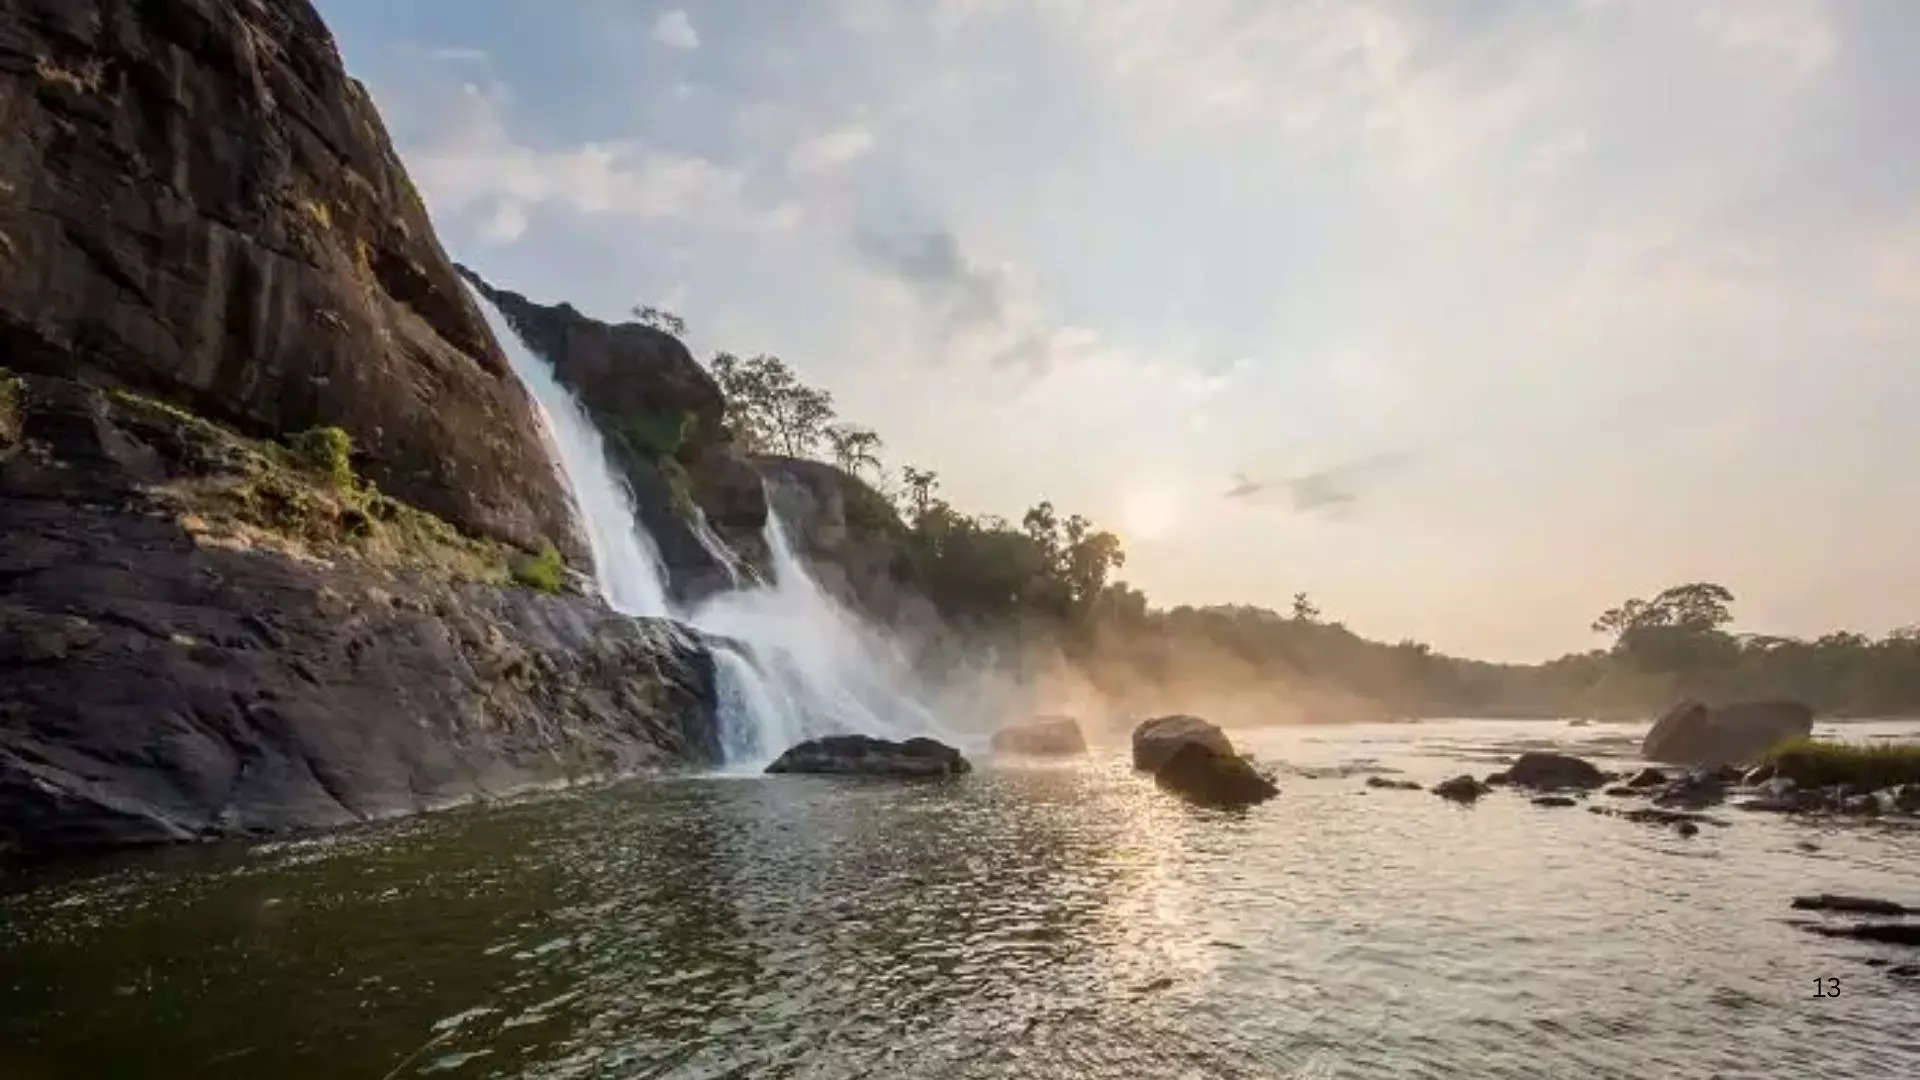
(1150,511)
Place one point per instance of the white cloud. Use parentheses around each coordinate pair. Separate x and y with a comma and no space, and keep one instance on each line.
(458,54)
(675,30)
(1793,33)
(830,150)
(507,223)
(475,161)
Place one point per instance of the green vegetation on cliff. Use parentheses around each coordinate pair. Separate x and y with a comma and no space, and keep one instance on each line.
(543,571)
(301,499)
(327,451)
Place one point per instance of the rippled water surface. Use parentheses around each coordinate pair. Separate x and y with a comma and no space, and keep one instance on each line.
(1048,921)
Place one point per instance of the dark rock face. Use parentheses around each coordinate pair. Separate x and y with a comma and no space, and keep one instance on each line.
(197,203)
(1690,733)
(849,535)
(1461,789)
(1043,736)
(1544,770)
(861,755)
(1204,775)
(168,671)
(1156,741)
(661,415)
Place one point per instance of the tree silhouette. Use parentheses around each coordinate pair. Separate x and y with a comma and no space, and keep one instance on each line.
(1303,609)
(855,448)
(660,319)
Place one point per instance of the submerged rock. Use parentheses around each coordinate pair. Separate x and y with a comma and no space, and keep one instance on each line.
(1694,791)
(1043,736)
(1864,905)
(1904,933)
(1211,778)
(1690,733)
(1156,741)
(1537,769)
(1462,788)
(1554,800)
(862,755)
(1397,785)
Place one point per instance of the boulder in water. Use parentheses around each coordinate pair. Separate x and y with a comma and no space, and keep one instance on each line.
(1042,736)
(1462,788)
(1647,778)
(1212,778)
(1537,769)
(861,755)
(1156,741)
(1690,733)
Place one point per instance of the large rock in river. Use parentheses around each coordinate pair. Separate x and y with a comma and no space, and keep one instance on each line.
(1156,741)
(1209,777)
(862,755)
(1537,769)
(1042,736)
(1691,733)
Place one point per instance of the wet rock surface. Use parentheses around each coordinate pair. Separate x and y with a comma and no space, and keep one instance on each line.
(862,755)
(1155,741)
(1206,776)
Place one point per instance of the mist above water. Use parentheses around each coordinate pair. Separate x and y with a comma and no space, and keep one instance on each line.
(789,662)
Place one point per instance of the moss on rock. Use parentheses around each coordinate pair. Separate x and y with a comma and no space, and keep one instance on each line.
(544,571)
(11,391)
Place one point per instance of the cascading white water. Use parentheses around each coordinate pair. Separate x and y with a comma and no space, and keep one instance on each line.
(626,565)
(825,670)
(799,665)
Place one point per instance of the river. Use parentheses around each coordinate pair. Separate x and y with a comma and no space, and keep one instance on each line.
(1043,921)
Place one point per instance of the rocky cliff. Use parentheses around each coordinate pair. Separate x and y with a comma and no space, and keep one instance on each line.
(197,203)
(268,488)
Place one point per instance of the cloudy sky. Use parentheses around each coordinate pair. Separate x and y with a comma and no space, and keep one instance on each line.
(1468,318)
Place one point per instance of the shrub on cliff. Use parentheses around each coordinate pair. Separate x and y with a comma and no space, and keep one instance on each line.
(327,451)
(543,571)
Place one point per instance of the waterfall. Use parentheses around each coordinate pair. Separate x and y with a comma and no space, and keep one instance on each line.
(789,662)
(626,565)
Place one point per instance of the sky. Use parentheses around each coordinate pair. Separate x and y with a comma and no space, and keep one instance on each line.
(1470,319)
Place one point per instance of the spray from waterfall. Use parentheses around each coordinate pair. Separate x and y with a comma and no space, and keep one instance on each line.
(789,662)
